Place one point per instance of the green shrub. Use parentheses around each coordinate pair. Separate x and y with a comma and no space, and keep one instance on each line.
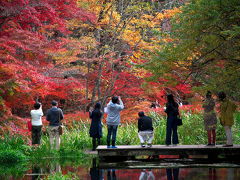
(8,171)
(11,156)
(59,176)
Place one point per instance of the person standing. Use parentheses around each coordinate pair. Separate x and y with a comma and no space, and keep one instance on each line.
(96,125)
(172,115)
(210,118)
(113,119)
(145,129)
(36,121)
(54,116)
(227,109)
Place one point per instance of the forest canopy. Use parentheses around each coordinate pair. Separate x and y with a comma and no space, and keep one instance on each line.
(80,52)
(204,50)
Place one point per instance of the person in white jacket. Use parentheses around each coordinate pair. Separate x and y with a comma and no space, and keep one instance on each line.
(113,119)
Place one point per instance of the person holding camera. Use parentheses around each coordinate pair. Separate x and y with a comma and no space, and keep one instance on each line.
(113,119)
(36,121)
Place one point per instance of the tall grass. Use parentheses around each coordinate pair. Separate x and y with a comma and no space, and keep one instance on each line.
(76,139)
(60,176)
(191,132)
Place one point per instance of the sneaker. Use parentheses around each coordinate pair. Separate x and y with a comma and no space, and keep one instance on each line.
(174,145)
(142,145)
(114,147)
(108,147)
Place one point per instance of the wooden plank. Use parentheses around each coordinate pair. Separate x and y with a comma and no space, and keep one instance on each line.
(163,164)
(182,150)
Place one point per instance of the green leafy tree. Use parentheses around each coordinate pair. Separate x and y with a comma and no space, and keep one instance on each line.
(204,47)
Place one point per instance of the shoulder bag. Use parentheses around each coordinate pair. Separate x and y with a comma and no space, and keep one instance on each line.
(29,125)
(179,121)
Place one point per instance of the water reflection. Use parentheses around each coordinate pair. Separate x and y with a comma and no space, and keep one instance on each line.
(36,172)
(146,175)
(91,170)
(95,173)
(172,173)
(111,174)
(230,174)
(55,168)
(212,174)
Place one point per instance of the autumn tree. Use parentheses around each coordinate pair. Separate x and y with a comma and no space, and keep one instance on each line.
(125,29)
(205,47)
(29,30)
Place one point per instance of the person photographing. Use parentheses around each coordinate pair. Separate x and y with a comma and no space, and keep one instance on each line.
(113,119)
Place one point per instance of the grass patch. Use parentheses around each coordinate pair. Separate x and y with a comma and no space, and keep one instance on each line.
(76,140)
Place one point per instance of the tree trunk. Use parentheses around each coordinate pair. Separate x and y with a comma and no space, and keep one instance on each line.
(97,82)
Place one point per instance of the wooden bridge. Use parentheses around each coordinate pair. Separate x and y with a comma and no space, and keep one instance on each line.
(124,152)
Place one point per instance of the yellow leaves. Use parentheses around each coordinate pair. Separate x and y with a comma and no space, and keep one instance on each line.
(88,42)
(131,37)
(171,12)
(146,16)
(160,16)
(112,18)
(140,73)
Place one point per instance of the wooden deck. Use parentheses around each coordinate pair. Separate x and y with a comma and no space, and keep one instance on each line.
(184,151)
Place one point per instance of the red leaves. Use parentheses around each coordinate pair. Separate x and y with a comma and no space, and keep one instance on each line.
(26,28)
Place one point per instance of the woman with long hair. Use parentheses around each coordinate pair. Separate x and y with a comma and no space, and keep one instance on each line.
(96,125)
(172,115)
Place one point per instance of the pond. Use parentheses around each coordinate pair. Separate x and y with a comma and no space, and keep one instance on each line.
(93,169)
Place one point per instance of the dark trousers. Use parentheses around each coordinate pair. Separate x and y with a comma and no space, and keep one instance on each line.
(94,143)
(112,131)
(36,134)
(171,132)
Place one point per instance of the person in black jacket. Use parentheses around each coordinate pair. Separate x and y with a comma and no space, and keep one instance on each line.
(145,129)
(54,116)
(172,115)
(96,125)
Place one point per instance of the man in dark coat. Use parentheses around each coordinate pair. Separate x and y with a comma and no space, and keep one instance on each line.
(145,129)
(54,116)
